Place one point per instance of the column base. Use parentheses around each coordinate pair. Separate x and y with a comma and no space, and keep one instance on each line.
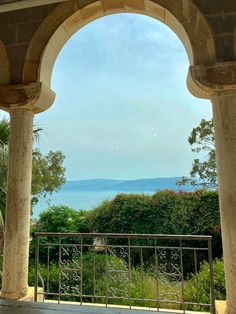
(16,295)
(29,295)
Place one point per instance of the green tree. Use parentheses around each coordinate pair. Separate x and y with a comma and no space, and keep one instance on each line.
(48,173)
(61,219)
(202,142)
(58,219)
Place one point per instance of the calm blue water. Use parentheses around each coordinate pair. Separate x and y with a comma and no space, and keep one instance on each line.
(77,200)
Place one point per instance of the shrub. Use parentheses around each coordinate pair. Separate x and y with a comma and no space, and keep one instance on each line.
(197,287)
(165,212)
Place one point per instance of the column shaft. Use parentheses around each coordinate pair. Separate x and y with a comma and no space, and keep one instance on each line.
(224,113)
(17,221)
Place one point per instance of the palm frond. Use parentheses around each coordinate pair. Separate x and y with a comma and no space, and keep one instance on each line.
(2,207)
(4,131)
(36,133)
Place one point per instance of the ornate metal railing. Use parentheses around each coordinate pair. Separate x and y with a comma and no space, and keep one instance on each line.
(132,270)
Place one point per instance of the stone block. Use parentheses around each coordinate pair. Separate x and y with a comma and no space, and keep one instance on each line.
(9,34)
(26,31)
(220,307)
(16,53)
(30,71)
(113,6)
(19,16)
(16,72)
(137,5)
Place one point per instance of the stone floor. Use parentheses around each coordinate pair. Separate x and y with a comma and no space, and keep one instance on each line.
(21,307)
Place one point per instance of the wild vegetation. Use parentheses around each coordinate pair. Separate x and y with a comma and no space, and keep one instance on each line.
(165,212)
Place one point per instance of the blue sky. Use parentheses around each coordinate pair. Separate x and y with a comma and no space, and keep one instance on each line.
(122,110)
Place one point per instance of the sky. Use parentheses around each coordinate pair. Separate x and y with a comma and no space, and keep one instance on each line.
(122,109)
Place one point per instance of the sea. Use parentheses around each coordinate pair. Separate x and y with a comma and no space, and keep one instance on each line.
(88,194)
(77,199)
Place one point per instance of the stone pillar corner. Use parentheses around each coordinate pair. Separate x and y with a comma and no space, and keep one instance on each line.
(204,81)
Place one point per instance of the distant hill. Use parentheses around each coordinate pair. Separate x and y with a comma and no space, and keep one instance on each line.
(140,185)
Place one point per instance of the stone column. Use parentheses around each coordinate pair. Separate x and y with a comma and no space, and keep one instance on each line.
(224,114)
(22,102)
(17,220)
(218,83)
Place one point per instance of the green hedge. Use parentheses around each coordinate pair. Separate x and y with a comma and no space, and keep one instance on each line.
(165,212)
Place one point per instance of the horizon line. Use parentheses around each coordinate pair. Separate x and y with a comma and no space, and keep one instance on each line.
(150,178)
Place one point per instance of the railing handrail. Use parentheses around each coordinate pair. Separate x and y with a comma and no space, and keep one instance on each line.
(124,235)
(167,260)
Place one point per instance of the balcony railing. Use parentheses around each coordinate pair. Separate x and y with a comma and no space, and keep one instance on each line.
(124,270)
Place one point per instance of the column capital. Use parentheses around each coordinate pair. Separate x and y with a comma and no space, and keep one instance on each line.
(204,81)
(33,96)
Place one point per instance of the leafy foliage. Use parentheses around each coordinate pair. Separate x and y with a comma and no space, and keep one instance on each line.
(61,219)
(202,142)
(197,287)
(57,219)
(165,212)
(48,173)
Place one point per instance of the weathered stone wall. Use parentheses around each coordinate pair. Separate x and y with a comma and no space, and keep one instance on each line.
(16,31)
(221,16)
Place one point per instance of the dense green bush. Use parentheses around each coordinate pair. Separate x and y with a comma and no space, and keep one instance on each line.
(57,219)
(165,212)
(197,287)
(60,219)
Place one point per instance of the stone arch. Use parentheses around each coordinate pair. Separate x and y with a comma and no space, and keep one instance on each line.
(182,16)
(4,66)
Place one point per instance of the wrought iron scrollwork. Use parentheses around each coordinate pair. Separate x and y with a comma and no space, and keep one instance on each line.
(70,269)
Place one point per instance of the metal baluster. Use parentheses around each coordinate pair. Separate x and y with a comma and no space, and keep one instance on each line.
(142,274)
(106,270)
(129,261)
(182,276)
(156,276)
(59,274)
(48,270)
(36,268)
(212,290)
(94,277)
(81,271)
(196,274)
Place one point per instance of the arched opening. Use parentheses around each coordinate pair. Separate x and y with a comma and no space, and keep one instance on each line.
(99,91)
(184,19)
(102,94)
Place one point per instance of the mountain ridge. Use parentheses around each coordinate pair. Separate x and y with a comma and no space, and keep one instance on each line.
(146,184)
